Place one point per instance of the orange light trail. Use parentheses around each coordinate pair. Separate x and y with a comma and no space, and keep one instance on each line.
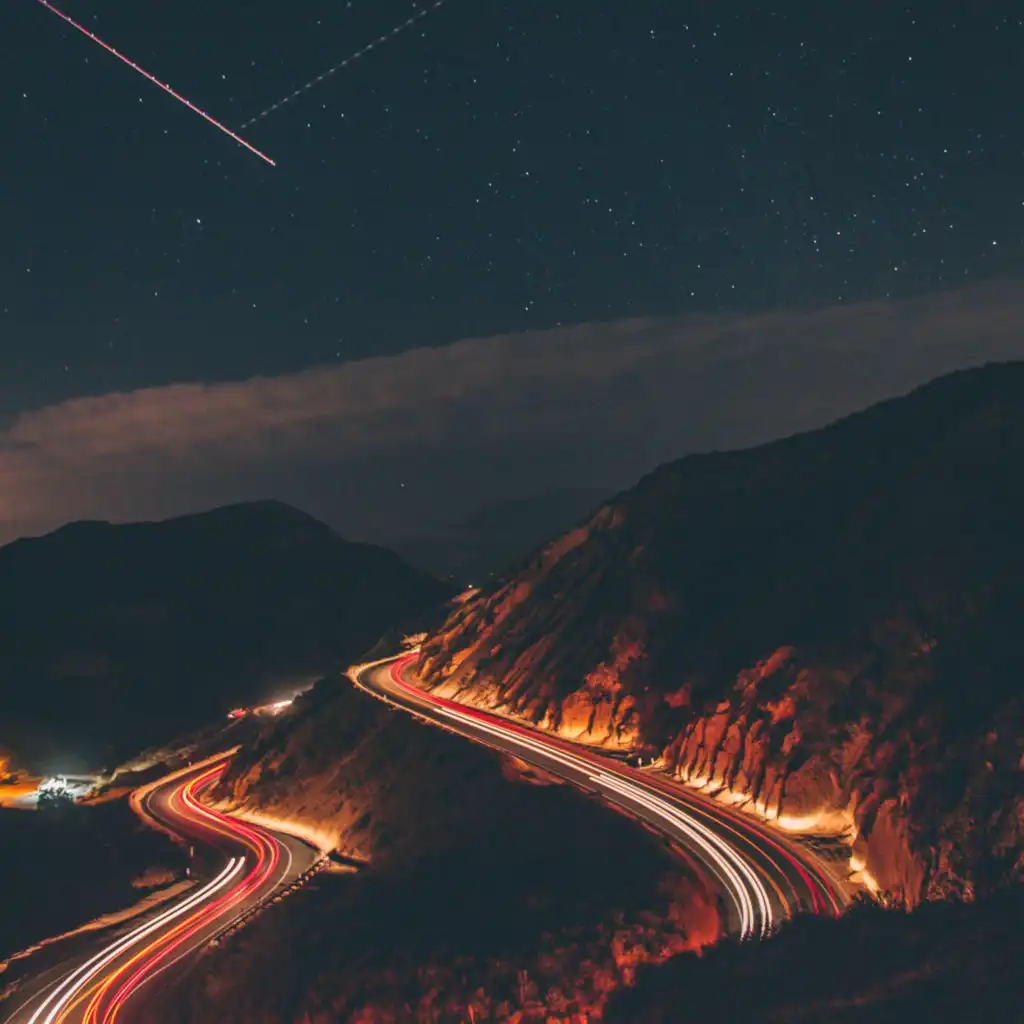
(149,960)
(62,999)
(103,993)
(156,81)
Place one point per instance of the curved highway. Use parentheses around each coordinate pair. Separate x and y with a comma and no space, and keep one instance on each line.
(238,866)
(764,877)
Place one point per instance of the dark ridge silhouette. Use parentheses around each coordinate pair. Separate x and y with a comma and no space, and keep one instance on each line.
(116,636)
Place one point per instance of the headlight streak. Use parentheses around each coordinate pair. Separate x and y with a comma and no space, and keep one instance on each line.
(744,834)
(727,865)
(162,949)
(665,800)
(716,851)
(153,975)
(59,999)
(818,884)
(98,989)
(722,817)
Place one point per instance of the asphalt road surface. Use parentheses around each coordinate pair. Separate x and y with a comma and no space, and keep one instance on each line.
(237,867)
(763,876)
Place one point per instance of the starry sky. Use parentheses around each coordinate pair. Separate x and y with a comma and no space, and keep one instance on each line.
(501,168)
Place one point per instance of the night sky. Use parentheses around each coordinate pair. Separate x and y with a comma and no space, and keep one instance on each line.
(500,168)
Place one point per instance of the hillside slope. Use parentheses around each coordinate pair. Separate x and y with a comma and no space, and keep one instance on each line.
(481,896)
(826,623)
(947,963)
(112,637)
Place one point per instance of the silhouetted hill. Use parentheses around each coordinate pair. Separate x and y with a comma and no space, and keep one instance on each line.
(827,624)
(495,536)
(114,636)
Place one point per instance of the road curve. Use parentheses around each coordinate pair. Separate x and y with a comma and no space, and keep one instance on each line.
(763,876)
(238,867)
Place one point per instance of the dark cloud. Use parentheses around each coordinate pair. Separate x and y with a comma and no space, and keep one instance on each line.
(384,446)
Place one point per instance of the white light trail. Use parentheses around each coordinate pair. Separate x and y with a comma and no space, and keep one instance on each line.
(717,850)
(739,879)
(58,1000)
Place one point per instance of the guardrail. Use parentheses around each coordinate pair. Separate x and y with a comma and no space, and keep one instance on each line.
(272,897)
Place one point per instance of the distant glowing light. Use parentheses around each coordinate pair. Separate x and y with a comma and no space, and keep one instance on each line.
(156,81)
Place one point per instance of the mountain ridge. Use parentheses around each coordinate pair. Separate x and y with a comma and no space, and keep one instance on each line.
(161,625)
(792,622)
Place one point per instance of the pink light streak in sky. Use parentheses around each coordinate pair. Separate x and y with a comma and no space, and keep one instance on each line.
(156,81)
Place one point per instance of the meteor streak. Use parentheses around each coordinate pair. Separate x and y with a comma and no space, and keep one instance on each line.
(408,23)
(156,81)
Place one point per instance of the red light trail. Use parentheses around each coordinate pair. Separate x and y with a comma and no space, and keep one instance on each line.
(745,857)
(156,81)
(149,961)
(98,990)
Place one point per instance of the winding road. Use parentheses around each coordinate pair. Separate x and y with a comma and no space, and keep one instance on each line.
(764,876)
(238,868)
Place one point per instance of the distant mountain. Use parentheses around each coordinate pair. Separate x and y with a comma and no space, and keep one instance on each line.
(115,636)
(500,533)
(828,624)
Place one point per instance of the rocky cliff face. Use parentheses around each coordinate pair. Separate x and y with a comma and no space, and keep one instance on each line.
(826,625)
